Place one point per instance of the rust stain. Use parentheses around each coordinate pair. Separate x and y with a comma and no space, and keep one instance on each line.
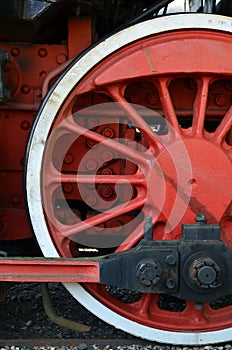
(148,57)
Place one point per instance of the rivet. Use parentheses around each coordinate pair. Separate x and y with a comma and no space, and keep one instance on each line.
(107,171)
(106,191)
(170,283)
(16,199)
(171,260)
(42,52)
(68,159)
(228,84)
(192,84)
(107,156)
(91,164)
(135,98)
(220,99)
(91,200)
(92,123)
(25,89)
(42,73)
(91,143)
(25,125)
(61,58)
(153,99)
(68,188)
(108,132)
(15,51)
(38,93)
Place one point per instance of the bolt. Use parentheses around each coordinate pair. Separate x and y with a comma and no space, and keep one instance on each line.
(205,271)
(170,283)
(148,272)
(198,306)
(220,99)
(171,260)
(200,219)
(206,275)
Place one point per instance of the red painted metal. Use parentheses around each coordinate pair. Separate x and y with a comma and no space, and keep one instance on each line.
(48,270)
(173,175)
(167,75)
(28,75)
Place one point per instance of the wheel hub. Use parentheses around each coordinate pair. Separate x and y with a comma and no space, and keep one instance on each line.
(211,178)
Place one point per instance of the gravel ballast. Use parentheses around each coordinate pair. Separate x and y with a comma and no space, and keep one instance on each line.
(22,316)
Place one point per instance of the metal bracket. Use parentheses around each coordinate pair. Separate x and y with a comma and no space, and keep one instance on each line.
(196,267)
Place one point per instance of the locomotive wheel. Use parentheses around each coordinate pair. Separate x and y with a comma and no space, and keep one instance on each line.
(178,68)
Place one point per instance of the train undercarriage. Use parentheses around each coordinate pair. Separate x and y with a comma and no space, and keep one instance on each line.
(116,149)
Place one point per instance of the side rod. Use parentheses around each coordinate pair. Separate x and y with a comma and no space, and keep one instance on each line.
(49,270)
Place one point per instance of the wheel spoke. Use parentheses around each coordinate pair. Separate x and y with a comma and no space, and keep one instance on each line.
(223,128)
(56,179)
(135,117)
(132,154)
(142,306)
(72,231)
(199,108)
(169,111)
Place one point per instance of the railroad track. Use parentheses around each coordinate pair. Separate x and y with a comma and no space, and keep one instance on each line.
(80,344)
(98,344)
(24,325)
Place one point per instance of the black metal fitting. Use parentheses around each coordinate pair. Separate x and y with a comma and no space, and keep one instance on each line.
(148,272)
(197,267)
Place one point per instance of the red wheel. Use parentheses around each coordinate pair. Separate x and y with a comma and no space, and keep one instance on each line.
(140,125)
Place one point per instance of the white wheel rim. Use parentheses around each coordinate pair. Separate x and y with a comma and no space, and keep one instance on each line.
(35,157)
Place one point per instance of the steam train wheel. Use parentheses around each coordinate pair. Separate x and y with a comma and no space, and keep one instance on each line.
(139,125)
